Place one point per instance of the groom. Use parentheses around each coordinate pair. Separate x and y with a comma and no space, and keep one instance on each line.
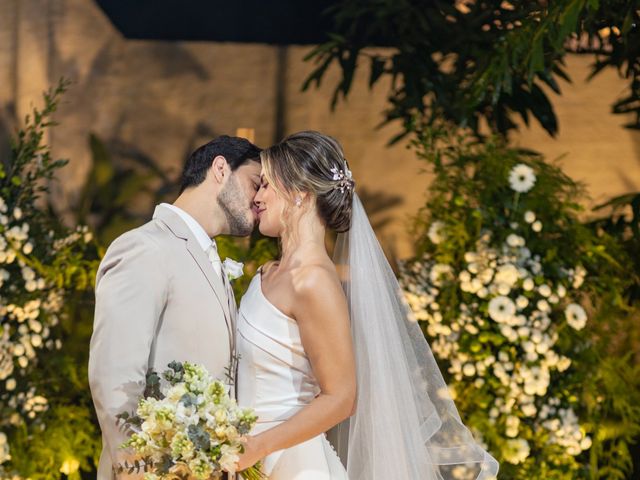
(161,291)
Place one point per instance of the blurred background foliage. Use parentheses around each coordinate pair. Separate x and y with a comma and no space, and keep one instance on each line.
(479,64)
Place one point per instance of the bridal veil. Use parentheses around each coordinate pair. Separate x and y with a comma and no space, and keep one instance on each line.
(406,425)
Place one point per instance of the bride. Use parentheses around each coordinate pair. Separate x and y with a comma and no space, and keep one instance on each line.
(329,346)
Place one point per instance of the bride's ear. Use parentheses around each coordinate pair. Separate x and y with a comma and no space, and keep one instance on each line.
(219,169)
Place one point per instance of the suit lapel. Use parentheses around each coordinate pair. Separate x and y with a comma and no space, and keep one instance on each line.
(181,230)
(212,277)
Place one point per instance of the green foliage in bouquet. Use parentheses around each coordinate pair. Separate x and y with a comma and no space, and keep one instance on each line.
(46,424)
(520,302)
(186,426)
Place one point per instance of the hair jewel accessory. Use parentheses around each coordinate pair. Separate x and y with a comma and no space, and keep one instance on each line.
(344,178)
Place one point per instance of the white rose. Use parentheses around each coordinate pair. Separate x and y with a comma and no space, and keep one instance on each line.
(232,268)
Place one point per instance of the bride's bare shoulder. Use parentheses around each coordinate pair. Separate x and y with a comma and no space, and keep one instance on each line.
(315,282)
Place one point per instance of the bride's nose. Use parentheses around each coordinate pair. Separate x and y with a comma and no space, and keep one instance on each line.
(257,200)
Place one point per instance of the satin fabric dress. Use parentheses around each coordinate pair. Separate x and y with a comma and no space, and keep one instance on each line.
(275,378)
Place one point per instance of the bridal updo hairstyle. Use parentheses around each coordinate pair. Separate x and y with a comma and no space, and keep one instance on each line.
(308,162)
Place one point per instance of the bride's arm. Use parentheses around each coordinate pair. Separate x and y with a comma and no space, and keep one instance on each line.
(320,309)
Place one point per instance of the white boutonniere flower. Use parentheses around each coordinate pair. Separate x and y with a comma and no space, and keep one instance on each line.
(232,268)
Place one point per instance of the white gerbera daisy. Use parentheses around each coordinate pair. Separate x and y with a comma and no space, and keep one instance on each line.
(522,178)
(576,316)
(501,309)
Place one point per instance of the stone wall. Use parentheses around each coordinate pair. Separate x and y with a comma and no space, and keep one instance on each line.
(161,99)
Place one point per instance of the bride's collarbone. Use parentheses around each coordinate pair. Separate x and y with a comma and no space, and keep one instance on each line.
(279,284)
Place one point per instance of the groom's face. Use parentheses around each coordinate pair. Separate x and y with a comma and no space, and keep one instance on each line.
(236,198)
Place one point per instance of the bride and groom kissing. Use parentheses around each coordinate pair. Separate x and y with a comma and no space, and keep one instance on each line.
(343,383)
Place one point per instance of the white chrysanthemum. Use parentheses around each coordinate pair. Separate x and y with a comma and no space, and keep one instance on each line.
(435,233)
(576,316)
(501,309)
(536,226)
(521,178)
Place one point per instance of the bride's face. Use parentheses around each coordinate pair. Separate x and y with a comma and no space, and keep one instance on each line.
(270,208)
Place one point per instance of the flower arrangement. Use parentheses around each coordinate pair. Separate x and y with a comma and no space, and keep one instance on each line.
(190,427)
(502,288)
(41,263)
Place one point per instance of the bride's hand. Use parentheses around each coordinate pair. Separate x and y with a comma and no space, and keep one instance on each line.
(253,453)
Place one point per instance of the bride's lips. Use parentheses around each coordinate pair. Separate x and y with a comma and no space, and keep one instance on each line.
(257,212)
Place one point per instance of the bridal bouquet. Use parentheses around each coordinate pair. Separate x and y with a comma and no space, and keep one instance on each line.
(187,428)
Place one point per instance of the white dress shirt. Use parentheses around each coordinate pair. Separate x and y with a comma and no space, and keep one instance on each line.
(201,236)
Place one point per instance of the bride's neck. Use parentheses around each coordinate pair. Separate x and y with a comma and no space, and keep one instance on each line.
(299,245)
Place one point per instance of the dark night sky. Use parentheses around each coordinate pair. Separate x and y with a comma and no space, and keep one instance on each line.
(254,21)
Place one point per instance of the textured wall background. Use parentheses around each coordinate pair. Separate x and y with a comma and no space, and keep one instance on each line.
(162,99)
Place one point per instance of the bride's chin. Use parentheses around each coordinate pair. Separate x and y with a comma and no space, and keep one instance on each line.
(264,230)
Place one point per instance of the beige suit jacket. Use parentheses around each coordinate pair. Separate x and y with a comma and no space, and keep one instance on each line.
(158,299)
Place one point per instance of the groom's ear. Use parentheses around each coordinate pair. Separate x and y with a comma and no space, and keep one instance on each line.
(220,169)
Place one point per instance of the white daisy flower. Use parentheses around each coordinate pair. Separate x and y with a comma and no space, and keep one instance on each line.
(576,316)
(501,309)
(435,233)
(536,226)
(521,178)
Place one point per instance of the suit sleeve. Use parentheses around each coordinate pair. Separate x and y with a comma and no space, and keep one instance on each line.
(131,292)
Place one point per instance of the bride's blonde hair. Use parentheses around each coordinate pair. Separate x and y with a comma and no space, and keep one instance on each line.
(314,163)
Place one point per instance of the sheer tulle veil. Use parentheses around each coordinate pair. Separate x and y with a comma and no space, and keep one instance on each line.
(405,426)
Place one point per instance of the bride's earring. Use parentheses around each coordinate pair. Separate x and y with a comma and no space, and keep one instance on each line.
(298,201)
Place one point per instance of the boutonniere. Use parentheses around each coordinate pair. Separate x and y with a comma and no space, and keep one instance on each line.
(232,268)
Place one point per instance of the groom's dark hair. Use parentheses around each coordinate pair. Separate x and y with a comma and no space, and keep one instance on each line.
(237,151)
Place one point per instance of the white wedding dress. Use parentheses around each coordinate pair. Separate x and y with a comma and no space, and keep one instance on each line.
(275,378)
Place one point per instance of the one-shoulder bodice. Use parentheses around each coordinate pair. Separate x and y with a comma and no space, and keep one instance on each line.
(274,373)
